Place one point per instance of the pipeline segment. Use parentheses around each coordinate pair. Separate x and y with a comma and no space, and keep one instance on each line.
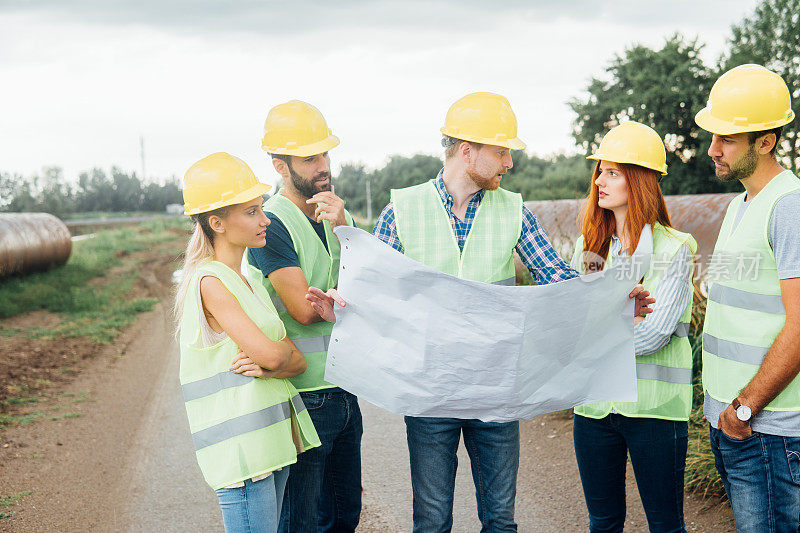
(32,242)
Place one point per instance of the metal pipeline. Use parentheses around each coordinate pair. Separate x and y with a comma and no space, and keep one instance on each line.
(698,214)
(31,242)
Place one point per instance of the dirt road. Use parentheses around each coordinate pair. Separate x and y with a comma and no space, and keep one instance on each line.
(125,461)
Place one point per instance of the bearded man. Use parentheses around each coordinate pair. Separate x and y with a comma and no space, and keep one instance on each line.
(323,492)
(751,331)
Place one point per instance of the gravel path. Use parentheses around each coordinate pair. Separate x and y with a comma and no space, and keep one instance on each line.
(126,464)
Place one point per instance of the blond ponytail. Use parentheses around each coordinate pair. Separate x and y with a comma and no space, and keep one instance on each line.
(199,250)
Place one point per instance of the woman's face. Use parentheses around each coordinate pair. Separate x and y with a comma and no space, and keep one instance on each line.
(612,189)
(245,224)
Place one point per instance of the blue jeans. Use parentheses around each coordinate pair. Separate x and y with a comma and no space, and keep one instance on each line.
(761,475)
(324,491)
(493,450)
(254,508)
(657,450)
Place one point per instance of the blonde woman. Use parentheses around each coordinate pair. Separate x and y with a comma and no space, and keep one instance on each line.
(247,421)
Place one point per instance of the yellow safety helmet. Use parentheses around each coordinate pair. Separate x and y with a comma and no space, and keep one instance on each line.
(633,142)
(485,118)
(746,98)
(219,180)
(297,128)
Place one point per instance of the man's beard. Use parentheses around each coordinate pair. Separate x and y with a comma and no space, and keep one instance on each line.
(743,168)
(490,184)
(308,188)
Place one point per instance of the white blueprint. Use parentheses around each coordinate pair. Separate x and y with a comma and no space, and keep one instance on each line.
(416,341)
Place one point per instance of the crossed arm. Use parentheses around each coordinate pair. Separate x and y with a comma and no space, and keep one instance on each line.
(259,356)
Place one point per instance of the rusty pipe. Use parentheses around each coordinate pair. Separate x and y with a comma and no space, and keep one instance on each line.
(31,242)
(698,214)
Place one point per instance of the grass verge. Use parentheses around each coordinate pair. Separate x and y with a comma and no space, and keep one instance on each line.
(701,473)
(91,293)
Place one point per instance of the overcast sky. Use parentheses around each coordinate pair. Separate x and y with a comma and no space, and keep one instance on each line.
(81,80)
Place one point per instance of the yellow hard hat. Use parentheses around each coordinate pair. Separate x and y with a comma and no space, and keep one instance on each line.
(633,142)
(297,128)
(219,180)
(485,118)
(746,98)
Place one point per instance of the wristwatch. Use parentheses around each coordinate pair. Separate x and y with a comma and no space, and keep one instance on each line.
(743,412)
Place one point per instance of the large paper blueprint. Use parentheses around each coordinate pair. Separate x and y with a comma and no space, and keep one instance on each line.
(419,342)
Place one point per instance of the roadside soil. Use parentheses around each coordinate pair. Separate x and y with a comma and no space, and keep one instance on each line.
(111,450)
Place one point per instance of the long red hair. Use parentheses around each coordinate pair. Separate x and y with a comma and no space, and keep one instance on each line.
(645,206)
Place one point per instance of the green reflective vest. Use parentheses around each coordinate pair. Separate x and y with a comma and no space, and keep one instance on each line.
(664,378)
(321,269)
(745,311)
(241,426)
(424,229)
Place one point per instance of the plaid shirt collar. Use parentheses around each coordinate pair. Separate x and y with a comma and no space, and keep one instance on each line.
(447,198)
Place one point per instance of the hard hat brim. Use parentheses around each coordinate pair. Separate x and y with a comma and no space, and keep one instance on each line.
(599,157)
(511,144)
(319,147)
(246,195)
(711,124)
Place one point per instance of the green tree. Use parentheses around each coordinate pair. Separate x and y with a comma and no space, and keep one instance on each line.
(548,178)
(95,191)
(661,88)
(771,37)
(54,195)
(401,171)
(127,190)
(351,185)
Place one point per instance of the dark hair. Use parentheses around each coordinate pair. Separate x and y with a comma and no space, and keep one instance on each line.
(285,158)
(753,135)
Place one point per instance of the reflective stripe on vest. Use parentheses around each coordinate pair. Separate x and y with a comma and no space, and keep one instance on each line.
(734,351)
(247,423)
(509,281)
(279,305)
(212,385)
(682,329)
(668,374)
(765,303)
(313,344)
(241,425)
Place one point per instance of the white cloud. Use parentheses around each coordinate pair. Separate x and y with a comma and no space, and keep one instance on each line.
(78,90)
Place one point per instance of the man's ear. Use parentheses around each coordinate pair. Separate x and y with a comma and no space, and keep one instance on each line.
(765,143)
(466,150)
(280,166)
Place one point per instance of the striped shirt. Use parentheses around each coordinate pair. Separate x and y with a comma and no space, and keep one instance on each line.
(533,246)
(672,295)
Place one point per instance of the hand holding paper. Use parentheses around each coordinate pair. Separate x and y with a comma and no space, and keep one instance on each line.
(419,342)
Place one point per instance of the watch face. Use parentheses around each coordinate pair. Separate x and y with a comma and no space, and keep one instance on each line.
(743,413)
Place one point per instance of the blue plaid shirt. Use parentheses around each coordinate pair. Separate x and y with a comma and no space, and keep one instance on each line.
(533,246)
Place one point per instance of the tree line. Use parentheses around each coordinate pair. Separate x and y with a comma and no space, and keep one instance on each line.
(661,87)
(94,191)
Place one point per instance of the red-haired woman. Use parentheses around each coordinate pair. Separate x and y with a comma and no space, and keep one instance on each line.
(625,207)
